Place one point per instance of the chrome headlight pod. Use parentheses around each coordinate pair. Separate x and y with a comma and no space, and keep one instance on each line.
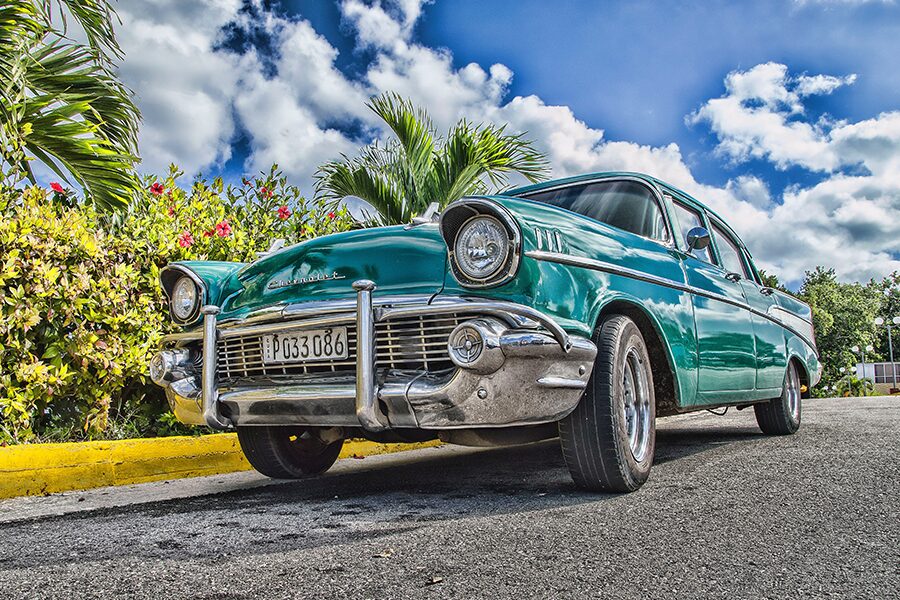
(483,241)
(186,293)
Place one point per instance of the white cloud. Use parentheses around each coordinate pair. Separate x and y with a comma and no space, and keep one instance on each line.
(182,86)
(759,117)
(296,108)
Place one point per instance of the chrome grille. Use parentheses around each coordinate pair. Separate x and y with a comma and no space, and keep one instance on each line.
(415,343)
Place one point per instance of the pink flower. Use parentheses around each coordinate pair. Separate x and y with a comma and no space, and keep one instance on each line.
(57,188)
(223,229)
(331,216)
(157,189)
(185,240)
(266,192)
(284,212)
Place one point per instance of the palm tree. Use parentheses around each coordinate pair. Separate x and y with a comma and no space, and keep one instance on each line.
(60,102)
(401,178)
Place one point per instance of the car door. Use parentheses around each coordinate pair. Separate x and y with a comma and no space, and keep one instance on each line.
(771,353)
(725,340)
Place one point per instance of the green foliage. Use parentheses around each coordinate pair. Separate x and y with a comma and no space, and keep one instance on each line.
(401,178)
(843,317)
(851,385)
(81,312)
(61,102)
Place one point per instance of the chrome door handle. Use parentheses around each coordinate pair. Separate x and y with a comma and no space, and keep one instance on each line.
(766,291)
(733,277)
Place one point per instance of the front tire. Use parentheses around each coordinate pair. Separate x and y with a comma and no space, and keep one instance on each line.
(609,440)
(781,416)
(287,452)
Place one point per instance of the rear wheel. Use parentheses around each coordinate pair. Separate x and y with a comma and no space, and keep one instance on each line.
(609,440)
(781,416)
(287,452)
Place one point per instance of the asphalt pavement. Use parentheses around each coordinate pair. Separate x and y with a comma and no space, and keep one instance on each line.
(727,513)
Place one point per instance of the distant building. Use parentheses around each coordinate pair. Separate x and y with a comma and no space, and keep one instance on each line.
(881,373)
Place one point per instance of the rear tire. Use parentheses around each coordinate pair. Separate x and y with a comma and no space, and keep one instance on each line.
(609,440)
(781,416)
(287,452)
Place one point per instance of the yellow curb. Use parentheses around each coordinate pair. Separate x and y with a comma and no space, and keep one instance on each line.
(37,469)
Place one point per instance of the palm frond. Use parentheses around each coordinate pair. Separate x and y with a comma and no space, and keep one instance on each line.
(403,176)
(60,101)
(351,177)
(414,132)
(96,19)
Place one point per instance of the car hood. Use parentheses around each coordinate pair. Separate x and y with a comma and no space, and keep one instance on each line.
(399,259)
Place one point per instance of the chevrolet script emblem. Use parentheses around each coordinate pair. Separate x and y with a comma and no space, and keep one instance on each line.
(315,277)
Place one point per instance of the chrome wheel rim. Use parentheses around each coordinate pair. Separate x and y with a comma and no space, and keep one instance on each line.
(793,394)
(636,393)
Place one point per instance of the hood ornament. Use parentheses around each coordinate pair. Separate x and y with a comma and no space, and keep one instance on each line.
(312,278)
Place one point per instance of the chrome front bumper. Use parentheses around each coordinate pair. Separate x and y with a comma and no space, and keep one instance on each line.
(530,371)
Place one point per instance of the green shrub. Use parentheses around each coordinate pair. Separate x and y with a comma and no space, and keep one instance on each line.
(82,311)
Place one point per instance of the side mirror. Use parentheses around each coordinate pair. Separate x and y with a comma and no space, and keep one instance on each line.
(698,238)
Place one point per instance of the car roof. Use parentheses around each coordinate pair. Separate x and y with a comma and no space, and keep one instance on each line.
(586,177)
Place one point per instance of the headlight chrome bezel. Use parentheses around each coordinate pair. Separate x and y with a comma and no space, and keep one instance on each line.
(460,214)
(185,300)
(460,252)
(170,277)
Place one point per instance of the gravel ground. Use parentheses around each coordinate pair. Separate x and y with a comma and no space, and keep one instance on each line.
(727,513)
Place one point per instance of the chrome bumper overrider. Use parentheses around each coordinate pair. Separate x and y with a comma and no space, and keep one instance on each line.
(528,371)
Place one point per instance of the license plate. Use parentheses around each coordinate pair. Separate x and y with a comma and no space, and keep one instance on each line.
(309,345)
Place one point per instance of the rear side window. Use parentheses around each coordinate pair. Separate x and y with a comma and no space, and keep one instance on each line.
(729,252)
(688,218)
(626,205)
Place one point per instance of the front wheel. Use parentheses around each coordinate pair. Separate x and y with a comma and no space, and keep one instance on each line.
(287,452)
(781,416)
(609,440)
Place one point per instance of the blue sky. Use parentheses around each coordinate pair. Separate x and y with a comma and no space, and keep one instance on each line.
(637,68)
(782,115)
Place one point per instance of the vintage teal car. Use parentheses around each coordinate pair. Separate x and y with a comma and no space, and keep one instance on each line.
(581,308)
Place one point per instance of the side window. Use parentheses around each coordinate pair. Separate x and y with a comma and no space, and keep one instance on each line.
(627,205)
(688,218)
(729,252)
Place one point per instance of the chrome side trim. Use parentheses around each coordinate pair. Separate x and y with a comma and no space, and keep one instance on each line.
(209,394)
(607,267)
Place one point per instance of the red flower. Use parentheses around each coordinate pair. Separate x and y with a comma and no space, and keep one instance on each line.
(284,212)
(209,233)
(223,229)
(171,211)
(185,240)
(266,192)
(57,188)
(157,189)
(244,181)
(331,216)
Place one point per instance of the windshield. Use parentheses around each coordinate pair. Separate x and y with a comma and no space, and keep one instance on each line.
(627,205)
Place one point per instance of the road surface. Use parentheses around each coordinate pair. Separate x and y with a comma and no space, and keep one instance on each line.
(727,513)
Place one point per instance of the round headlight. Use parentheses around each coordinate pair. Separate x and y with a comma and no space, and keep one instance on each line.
(481,248)
(184,299)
